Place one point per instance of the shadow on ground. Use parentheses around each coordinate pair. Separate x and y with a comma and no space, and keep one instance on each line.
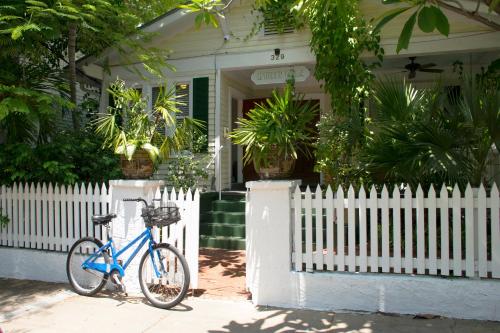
(297,320)
(17,293)
(222,274)
(232,262)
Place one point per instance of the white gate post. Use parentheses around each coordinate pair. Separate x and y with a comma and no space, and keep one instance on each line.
(128,223)
(269,240)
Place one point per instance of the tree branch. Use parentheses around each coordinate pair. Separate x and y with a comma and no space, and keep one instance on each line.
(472,15)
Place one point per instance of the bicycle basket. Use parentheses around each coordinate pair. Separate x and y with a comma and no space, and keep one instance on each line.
(163,216)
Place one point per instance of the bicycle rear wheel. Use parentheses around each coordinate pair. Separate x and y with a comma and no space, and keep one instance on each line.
(171,287)
(86,282)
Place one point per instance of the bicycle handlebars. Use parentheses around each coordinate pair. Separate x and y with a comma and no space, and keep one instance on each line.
(137,200)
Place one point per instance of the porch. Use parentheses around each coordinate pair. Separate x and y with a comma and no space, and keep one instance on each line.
(238,88)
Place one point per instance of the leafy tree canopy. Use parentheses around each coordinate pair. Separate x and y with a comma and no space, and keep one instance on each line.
(39,38)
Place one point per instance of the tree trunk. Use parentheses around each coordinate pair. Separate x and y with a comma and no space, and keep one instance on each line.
(496,9)
(72,73)
(471,15)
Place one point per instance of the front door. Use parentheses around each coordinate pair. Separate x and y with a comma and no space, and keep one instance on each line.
(304,167)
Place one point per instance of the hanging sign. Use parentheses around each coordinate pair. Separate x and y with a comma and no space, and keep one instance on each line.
(280,75)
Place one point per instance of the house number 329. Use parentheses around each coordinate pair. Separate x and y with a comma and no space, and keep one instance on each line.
(277,57)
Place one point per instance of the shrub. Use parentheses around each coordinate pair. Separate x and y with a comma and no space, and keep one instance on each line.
(69,158)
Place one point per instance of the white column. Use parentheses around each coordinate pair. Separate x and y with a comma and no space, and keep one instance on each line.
(269,240)
(128,223)
(218,139)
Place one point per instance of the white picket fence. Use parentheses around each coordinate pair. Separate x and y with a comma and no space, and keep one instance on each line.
(404,233)
(47,217)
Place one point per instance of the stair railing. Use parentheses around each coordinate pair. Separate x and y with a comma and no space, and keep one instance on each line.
(217,156)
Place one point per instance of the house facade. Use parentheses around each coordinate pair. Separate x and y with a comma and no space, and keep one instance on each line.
(221,72)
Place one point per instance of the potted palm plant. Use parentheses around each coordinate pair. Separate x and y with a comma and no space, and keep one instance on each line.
(139,135)
(275,131)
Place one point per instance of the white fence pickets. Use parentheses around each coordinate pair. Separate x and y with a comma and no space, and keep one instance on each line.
(351,231)
(363,263)
(431,233)
(384,205)
(408,216)
(457,233)
(495,231)
(298,229)
(445,231)
(330,237)
(482,233)
(52,217)
(26,216)
(309,231)
(3,231)
(420,232)
(372,205)
(318,207)
(396,231)
(469,232)
(340,258)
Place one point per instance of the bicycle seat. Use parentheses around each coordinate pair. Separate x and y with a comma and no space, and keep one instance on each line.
(103,219)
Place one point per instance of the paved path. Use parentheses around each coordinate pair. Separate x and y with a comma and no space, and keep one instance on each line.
(222,274)
(108,311)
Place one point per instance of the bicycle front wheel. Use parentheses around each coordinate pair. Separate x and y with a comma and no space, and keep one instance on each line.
(169,287)
(84,281)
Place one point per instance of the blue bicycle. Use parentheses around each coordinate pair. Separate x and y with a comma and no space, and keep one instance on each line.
(163,271)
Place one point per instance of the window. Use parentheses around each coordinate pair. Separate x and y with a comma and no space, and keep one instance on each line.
(272,27)
(182,95)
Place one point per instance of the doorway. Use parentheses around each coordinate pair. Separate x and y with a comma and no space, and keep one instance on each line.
(235,151)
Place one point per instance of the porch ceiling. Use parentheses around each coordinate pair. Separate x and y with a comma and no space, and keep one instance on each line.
(393,65)
(471,62)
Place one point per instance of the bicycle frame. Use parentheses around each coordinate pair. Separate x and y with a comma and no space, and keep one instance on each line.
(115,266)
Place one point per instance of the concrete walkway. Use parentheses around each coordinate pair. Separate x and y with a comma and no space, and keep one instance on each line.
(52,308)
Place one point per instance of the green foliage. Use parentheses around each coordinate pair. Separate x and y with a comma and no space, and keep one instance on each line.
(207,10)
(27,106)
(282,14)
(35,42)
(128,125)
(187,170)
(4,220)
(339,37)
(69,158)
(429,16)
(424,136)
(414,139)
(280,126)
(149,10)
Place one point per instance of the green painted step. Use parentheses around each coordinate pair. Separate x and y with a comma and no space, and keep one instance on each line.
(207,198)
(228,243)
(223,217)
(220,229)
(228,206)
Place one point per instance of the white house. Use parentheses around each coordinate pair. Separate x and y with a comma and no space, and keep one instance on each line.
(222,72)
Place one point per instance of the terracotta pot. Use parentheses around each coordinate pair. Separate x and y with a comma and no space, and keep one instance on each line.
(139,167)
(278,168)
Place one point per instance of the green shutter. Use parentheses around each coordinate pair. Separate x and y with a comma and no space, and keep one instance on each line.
(200,101)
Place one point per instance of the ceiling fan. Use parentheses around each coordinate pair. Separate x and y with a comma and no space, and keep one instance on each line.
(413,67)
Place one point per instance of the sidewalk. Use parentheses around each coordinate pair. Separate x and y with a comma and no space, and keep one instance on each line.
(59,310)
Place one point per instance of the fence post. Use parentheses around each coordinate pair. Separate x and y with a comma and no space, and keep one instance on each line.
(128,223)
(269,240)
